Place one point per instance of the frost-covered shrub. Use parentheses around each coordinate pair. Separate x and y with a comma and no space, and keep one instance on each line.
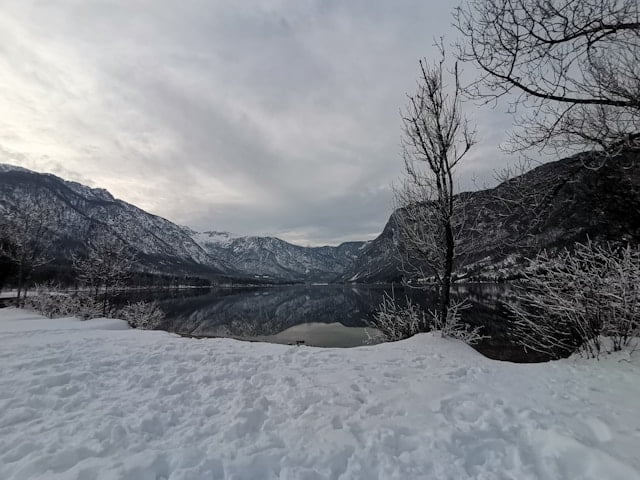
(397,322)
(86,307)
(454,327)
(143,315)
(570,302)
(55,304)
(43,303)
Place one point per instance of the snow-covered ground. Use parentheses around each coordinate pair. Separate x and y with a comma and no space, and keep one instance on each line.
(8,294)
(94,400)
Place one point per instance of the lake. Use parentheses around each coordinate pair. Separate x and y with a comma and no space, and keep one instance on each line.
(323,315)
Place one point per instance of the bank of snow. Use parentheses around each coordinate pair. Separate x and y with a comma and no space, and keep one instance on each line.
(91,400)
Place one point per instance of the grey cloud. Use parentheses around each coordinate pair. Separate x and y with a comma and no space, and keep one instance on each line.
(276,117)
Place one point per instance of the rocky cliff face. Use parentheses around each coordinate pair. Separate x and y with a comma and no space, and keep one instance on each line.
(550,207)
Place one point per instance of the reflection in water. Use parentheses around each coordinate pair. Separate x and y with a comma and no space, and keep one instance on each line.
(256,313)
(264,311)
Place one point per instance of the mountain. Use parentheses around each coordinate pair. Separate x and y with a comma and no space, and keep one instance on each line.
(574,202)
(160,245)
(83,212)
(270,257)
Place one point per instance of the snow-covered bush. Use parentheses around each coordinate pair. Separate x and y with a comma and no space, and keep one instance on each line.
(396,322)
(56,304)
(43,303)
(143,315)
(86,307)
(454,327)
(53,303)
(570,302)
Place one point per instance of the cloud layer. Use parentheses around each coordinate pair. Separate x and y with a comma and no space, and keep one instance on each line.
(260,117)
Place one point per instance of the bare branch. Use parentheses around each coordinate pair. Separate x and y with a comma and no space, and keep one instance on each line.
(571,69)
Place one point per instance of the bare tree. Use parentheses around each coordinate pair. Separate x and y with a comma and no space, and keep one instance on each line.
(27,235)
(431,220)
(107,263)
(570,68)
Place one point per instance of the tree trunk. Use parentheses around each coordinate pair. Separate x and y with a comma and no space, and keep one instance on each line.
(104,300)
(20,281)
(445,283)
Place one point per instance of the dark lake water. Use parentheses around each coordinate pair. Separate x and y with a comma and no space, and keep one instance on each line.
(322,315)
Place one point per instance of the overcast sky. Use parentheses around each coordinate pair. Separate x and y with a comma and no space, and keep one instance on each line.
(275,117)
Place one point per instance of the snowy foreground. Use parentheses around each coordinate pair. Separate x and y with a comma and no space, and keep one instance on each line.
(94,400)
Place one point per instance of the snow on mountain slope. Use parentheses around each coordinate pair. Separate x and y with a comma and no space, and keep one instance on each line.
(579,203)
(275,258)
(163,245)
(87,400)
(85,211)
(212,237)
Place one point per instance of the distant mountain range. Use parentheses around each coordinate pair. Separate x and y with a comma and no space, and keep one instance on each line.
(270,257)
(162,246)
(574,203)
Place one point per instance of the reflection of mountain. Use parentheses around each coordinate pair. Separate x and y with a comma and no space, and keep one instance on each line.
(249,312)
(267,311)
(264,311)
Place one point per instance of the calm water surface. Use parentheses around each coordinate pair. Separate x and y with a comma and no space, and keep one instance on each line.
(323,315)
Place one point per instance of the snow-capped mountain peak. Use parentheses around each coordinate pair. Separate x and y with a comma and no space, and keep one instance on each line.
(275,258)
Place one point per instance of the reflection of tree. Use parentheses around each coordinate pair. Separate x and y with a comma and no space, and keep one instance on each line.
(487,310)
(268,311)
(485,293)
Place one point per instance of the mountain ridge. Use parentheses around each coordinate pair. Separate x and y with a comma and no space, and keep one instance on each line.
(162,245)
(272,257)
(576,203)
